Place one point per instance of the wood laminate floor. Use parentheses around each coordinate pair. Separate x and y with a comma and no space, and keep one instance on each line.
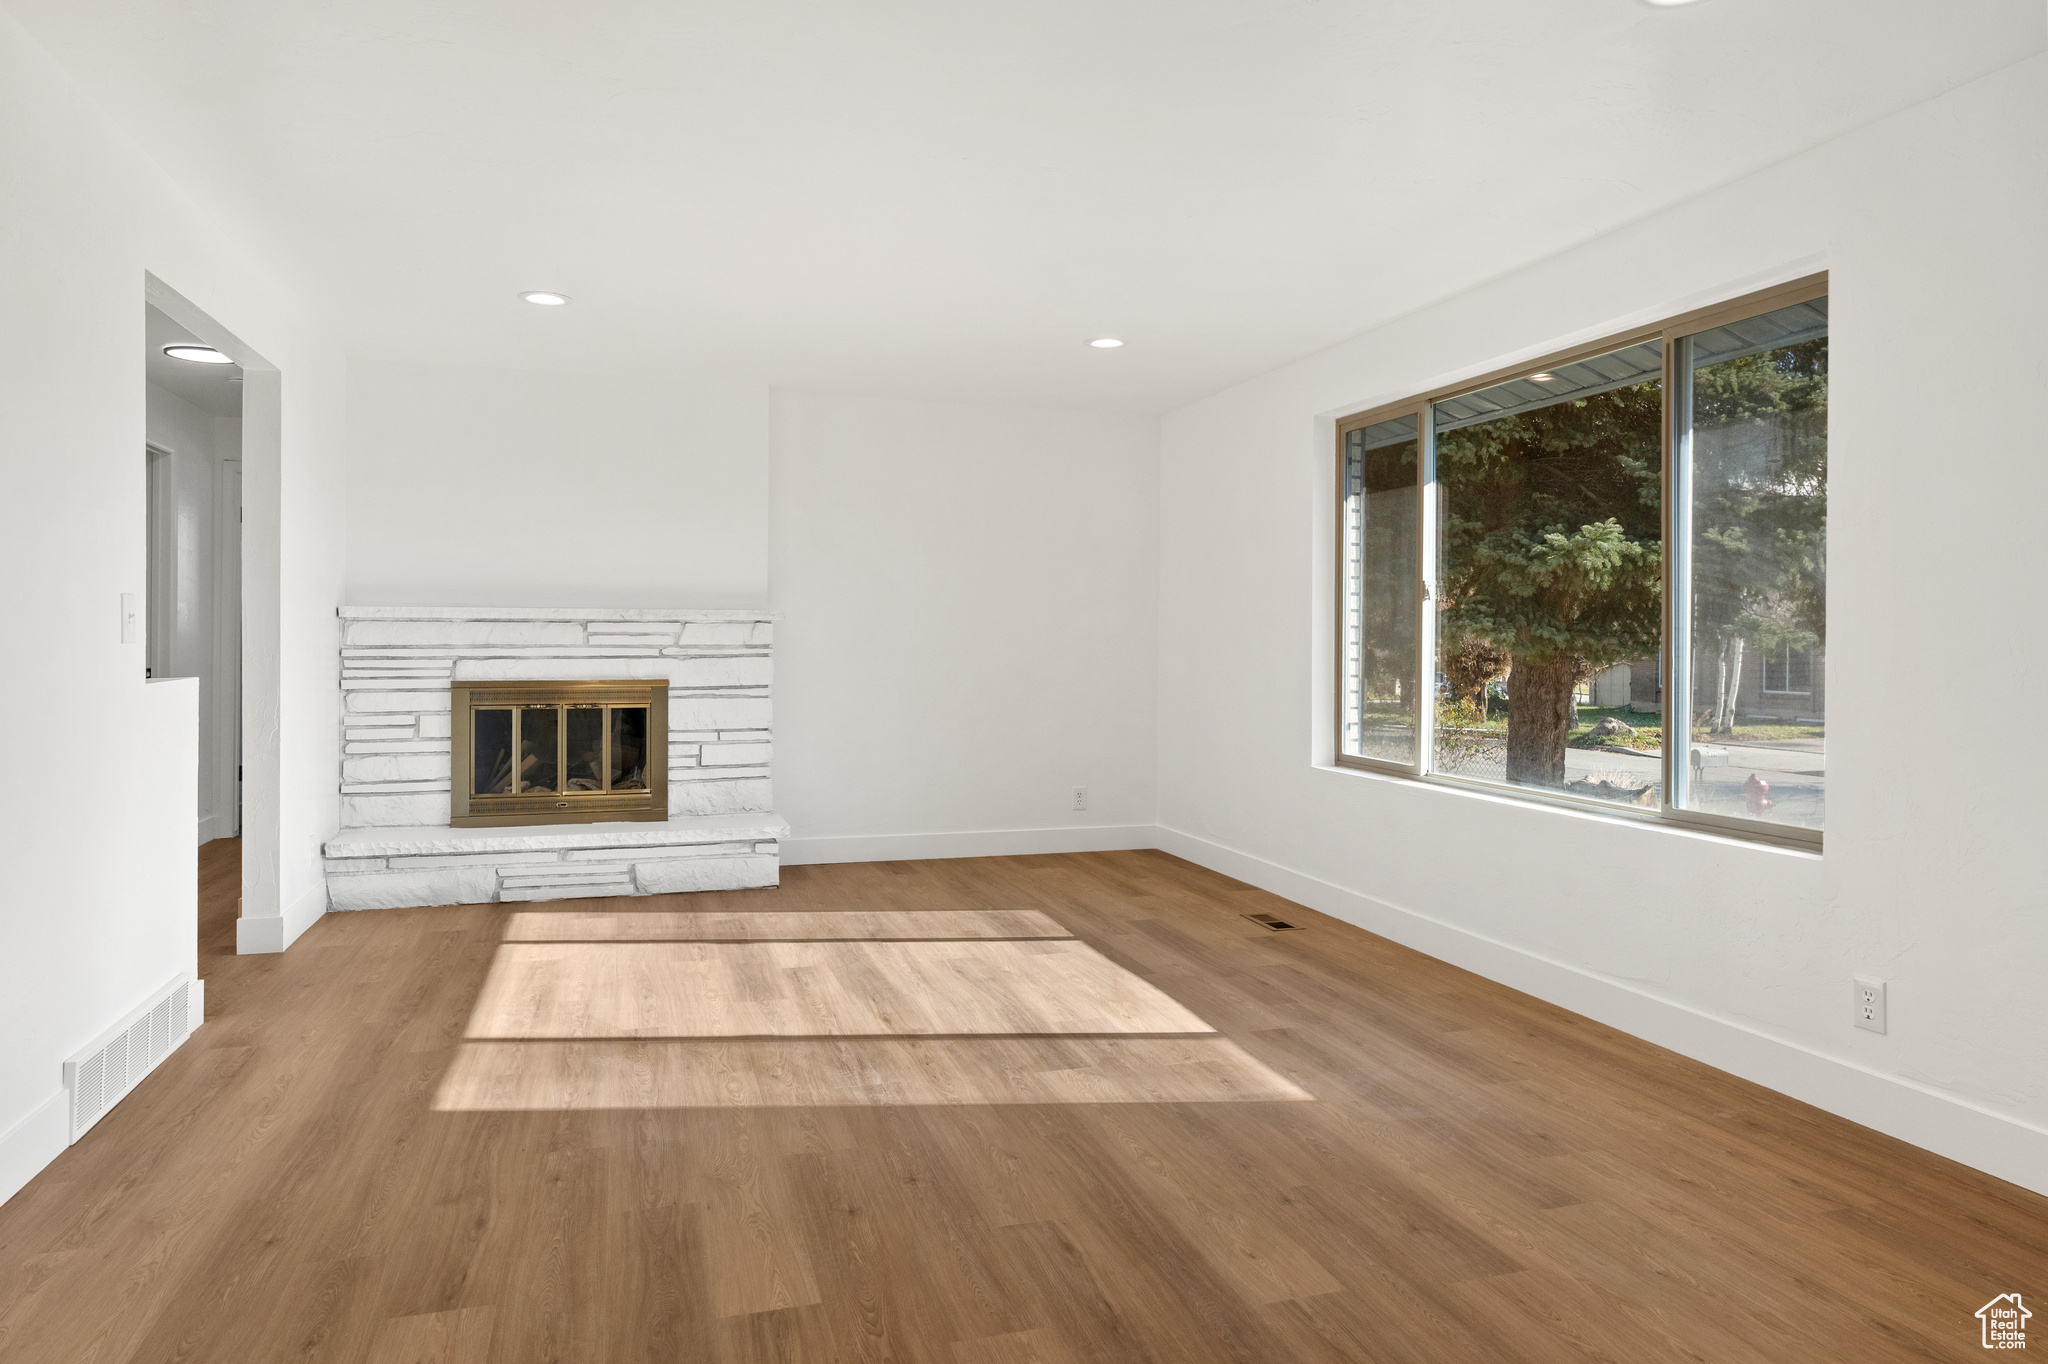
(1034,1110)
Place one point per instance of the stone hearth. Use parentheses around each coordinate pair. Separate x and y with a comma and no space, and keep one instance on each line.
(385,868)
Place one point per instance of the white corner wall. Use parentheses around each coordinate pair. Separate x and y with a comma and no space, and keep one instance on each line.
(482,487)
(86,218)
(967,600)
(1930,224)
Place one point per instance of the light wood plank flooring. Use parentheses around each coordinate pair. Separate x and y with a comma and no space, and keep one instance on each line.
(1051,1109)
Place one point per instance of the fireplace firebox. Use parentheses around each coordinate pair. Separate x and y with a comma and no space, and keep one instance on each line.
(558,752)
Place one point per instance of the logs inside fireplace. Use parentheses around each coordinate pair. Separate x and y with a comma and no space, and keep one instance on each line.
(559,752)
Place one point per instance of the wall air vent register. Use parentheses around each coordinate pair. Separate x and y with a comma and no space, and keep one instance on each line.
(101,1075)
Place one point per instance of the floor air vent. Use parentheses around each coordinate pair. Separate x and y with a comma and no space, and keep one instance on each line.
(98,1077)
(1268,921)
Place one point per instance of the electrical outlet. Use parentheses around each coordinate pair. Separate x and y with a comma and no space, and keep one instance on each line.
(1080,798)
(130,619)
(1870,1004)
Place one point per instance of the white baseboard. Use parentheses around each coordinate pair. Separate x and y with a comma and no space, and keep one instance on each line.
(799,852)
(259,933)
(33,1142)
(1942,1123)
(216,826)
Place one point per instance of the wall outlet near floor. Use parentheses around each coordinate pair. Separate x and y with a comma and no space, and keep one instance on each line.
(1080,798)
(1870,1004)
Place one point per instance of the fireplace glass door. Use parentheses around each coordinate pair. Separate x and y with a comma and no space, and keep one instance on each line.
(559,752)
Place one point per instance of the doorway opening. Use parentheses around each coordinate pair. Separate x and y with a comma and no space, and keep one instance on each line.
(192,617)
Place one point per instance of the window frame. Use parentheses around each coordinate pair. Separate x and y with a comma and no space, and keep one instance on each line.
(1765,688)
(1674,672)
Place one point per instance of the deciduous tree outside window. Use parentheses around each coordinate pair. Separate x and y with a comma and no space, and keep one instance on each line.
(1760,468)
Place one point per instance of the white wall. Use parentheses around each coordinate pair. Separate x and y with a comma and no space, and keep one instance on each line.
(480,487)
(968,601)
(197,444)
(85,935)
(1930,224)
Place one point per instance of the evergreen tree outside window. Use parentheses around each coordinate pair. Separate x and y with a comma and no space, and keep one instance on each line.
(1550,554)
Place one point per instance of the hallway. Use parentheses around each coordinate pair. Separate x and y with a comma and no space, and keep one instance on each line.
(1044,1109)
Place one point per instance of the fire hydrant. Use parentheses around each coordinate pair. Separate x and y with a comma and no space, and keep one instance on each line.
(1758,792)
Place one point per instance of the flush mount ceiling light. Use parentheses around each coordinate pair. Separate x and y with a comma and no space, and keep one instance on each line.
(1544,378)
(1105,343)
(546,298)
(198,355)
(1668,4)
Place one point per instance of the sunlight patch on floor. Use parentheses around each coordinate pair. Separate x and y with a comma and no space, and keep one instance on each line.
(668,1010)
(816,989)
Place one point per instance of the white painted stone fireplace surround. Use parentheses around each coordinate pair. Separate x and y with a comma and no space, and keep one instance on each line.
(396,848)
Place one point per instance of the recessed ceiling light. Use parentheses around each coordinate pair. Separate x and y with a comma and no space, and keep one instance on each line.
(1545,378)
(547,298)
(198,355)
(1105,343)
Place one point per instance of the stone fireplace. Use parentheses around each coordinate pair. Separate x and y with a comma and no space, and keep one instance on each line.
(518,754)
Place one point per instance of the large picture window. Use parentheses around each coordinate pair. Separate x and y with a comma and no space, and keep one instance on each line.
(1602,578)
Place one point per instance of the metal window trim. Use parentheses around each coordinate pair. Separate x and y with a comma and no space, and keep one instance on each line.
(1342,621)
(1796,838)
(1339,621)
(1673,661)
(1385,766)
(1425,535)
(1426,551)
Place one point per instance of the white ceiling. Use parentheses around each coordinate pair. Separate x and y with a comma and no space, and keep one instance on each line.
(948,198)
(216,389)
